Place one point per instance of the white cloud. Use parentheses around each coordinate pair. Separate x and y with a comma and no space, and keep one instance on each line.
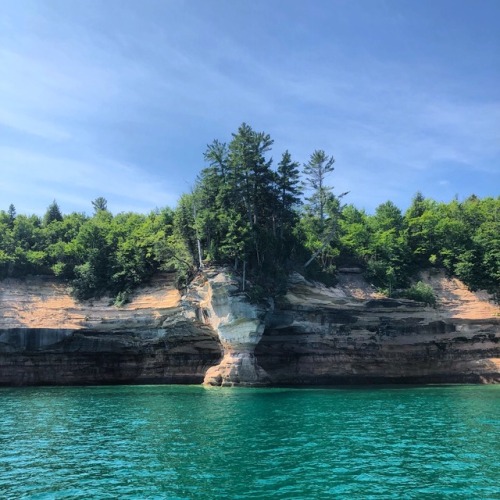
(90,79)
(32,180)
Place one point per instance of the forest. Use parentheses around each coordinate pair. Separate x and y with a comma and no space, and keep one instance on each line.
(265,219)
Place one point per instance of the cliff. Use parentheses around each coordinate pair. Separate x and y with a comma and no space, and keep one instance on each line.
(349,334)
(215,297)
(48,338)
(313,335)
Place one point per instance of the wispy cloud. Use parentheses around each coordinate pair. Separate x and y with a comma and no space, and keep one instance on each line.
(118,97)
(32,180)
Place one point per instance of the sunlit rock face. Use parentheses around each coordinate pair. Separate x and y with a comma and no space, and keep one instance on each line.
(48,338)
(350,334)
(313,335)
(216,298)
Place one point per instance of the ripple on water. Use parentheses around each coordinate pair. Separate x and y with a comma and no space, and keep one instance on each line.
(189,442)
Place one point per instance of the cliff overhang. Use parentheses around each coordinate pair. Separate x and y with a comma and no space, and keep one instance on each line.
(313,335)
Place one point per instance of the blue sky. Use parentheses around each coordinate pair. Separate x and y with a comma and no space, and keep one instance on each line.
(119,98)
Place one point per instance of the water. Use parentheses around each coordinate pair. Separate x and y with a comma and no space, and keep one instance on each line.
(187,442)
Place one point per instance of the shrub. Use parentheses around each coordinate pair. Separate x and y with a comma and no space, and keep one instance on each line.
(420,292)
(122,298)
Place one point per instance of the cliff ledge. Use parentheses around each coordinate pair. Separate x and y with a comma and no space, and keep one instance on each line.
(311,336)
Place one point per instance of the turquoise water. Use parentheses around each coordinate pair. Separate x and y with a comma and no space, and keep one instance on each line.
(187,442)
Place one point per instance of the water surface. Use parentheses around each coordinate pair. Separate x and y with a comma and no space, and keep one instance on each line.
(188,442)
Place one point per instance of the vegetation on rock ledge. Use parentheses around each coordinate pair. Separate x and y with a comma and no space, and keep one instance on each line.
(264,222)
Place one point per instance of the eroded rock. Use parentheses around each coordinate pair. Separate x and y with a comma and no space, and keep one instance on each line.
(48,338)
(351,335)
(216,298)
(313,335)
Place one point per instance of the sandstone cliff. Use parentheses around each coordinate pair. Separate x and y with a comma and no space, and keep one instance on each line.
(215,297)
(48,338)
(313,335)
(349,334)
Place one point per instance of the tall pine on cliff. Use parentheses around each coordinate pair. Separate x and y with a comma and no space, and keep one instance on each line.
(245,213)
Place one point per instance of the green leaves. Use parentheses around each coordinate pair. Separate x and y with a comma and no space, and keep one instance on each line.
(52,214)
(421,292)
(464,238)
(242,211)
(316,172)
(236,201)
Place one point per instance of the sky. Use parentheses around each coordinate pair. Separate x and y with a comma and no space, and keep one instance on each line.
(120,98)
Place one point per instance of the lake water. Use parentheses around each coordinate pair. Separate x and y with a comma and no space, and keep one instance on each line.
(188,442)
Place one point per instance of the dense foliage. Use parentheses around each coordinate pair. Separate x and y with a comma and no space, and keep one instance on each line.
(461,237)
(264,221)
(99,254)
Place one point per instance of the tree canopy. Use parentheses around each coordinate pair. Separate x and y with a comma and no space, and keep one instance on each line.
(264,220)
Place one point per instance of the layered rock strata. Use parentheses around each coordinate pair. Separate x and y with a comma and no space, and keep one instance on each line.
(349,334)
(48,338)
(216,298)
(313,335)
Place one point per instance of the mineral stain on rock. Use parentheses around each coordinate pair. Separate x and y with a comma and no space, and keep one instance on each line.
(48,338)
(238,323)
(212,334)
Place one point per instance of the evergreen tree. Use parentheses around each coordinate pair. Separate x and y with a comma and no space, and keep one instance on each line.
(99,204)
(321,216)
(316,172)
(213,198)
(253,184)
(11,212)
(251,176)
(52,214)
(289,192)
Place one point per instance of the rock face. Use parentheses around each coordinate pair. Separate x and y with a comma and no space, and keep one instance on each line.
(313,335)
(348,334)
(48,338)
(215,298)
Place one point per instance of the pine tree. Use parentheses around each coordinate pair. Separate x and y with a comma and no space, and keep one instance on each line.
(250,172)
(289,192)
(52,214)
(100,204)
(316,171)
(11,212)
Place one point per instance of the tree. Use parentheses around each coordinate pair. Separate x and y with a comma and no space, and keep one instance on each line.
(388,254)
(184,228)
(355,235)
(236,199)
(52,214)
(289,192)
(316,171)
(99,204)
(250,172)
(388,216)
(420,221)
(93,275)
(26,246)
(11,212)
(322,212)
